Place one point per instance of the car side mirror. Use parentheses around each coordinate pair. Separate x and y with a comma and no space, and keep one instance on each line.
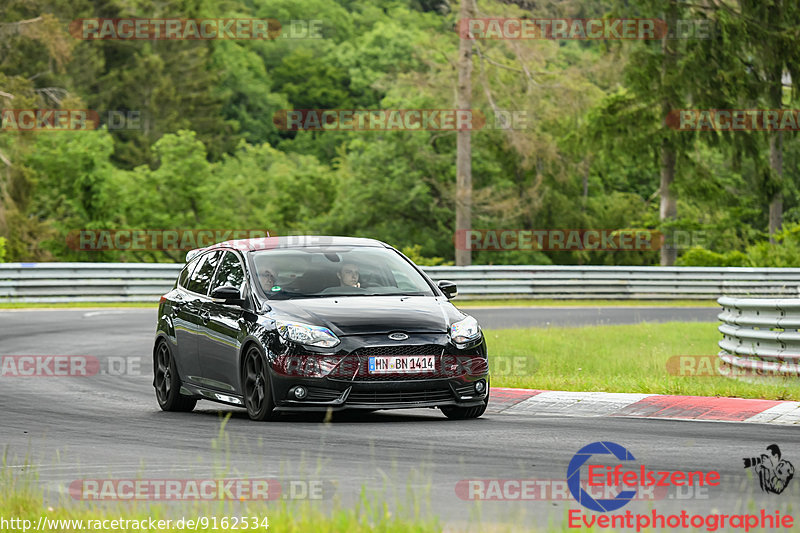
(227,294)
(448,288)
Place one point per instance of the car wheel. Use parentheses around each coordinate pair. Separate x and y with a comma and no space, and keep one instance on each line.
(464,413)
(168,383)
(257,390)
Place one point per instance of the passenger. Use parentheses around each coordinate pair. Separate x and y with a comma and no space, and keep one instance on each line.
(348,275)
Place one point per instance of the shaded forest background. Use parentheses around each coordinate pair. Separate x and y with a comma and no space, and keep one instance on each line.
(208,155)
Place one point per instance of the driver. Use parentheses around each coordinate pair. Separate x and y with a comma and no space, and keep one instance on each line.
(348,275)
(267,279)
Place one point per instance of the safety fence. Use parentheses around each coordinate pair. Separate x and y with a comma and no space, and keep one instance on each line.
(144,282)
(760,337)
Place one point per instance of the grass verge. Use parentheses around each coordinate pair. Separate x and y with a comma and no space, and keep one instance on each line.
(584,303)
(632,358)
(22,508)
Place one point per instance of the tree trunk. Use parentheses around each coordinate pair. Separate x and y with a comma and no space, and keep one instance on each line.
(776,202)
(464,140)
(669,207)
(775,189)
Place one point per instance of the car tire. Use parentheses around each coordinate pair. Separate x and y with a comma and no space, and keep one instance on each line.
(167,382)
(256,385)
(465,413)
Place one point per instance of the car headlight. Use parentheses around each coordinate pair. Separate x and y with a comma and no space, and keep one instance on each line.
(465,331)
(307,334)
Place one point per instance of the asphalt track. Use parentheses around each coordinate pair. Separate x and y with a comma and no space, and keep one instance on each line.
(109,427)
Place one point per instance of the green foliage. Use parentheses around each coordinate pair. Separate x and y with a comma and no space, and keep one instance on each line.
(207,153)
(2,249)
(415,254)
(784,253)
(259,187)
(706,258)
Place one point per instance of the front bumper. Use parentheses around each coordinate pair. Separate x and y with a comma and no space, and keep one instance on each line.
(390,395)
(452,384)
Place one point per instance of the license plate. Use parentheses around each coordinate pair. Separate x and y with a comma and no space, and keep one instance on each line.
(401,364)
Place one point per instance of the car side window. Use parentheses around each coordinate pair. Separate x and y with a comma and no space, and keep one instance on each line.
(186,272)
(200,279)
(230,272)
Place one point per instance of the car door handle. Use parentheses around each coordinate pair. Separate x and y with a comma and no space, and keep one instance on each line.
(205,316)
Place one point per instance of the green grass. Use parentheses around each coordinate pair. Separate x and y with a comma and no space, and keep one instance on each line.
(630,358)
(22,498)
(584,303)
(281,517)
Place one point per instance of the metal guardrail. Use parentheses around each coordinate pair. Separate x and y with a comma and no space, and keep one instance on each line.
(145,282)
(619,282)
(760,337)
(85,282)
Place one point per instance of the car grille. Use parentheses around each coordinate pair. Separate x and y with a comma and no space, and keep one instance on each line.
(401,349)
(377,397)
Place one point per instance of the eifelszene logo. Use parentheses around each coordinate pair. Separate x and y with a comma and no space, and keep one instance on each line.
(632,478)
(774,473)
(574,477)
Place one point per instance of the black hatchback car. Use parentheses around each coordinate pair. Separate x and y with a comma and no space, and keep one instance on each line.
(315,323)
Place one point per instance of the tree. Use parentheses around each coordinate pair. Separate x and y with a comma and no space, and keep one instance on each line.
(464,150)
(772,41)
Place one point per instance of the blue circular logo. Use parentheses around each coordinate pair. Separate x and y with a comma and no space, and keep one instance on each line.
(574,477)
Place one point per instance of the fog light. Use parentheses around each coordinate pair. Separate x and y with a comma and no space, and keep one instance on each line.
(300,393)
(480,386)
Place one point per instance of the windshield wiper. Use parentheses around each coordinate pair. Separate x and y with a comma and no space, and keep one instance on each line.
(285,295)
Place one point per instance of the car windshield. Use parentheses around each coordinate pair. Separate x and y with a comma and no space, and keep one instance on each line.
(336,271)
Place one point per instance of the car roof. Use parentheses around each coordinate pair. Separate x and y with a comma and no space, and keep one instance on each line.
(291,241)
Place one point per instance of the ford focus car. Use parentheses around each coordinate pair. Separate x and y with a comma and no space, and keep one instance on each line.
(312,324)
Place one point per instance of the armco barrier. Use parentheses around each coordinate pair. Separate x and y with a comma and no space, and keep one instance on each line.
(142,282)
(619,282)
(86,282)
(760,336)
